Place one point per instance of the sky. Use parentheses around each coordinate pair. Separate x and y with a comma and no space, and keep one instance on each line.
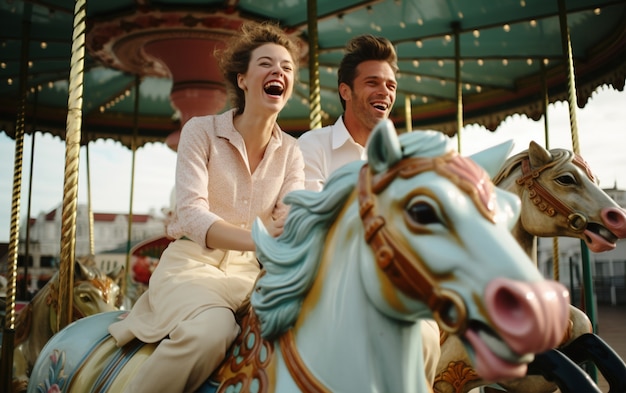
(601,131)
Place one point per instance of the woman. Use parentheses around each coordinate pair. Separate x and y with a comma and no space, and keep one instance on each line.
(231,169)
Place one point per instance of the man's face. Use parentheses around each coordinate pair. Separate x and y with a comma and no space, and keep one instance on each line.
(373,93)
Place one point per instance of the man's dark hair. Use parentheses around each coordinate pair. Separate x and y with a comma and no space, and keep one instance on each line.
(363,48)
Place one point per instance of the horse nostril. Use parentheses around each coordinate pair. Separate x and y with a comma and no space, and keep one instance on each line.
(510,305)
(507,302)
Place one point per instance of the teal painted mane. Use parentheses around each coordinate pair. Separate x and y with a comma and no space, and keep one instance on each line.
(291,260)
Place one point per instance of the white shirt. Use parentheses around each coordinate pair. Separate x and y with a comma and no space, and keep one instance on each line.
(325,150)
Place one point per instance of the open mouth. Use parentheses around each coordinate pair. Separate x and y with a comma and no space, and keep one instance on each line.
(274,88)
(492,357)
(602,232)
(381,106)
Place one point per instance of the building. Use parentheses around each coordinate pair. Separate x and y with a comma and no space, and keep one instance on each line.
(110,233)
(608,269)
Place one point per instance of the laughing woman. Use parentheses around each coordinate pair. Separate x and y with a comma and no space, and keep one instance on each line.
(231,168)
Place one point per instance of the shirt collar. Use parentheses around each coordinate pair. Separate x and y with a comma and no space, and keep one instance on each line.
(340,134)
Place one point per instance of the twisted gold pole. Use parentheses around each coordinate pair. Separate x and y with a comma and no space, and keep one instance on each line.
(408,116)
(556,265)
(72,153)
(92,243)
(589,303)
(8,331)
(459,87)
(315,103)
(133,147)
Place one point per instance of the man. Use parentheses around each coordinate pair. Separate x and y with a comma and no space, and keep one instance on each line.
(367,90)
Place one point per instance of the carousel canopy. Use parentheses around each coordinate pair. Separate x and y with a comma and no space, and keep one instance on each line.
(508,50)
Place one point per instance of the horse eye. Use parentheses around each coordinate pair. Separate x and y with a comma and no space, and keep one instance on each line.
(85,298)
(422,213)
(566,180)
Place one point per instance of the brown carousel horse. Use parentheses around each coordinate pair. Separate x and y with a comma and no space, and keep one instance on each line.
(94,292)
(560,197)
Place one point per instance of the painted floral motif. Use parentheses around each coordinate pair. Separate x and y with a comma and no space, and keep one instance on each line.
(55,383)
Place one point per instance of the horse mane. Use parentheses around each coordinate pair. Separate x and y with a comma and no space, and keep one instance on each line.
(290,261)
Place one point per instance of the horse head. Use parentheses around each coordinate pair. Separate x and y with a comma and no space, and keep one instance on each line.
(561,197)
(420,231)
(94,292)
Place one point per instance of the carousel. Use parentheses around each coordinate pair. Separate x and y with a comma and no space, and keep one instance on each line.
(136,71)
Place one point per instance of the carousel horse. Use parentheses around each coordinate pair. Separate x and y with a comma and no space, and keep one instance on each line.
(560,198)
(94,292)
(415,232)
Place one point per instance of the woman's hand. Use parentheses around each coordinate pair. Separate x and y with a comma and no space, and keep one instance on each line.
(275,226)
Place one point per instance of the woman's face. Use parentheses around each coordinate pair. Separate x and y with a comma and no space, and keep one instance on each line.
(268,83)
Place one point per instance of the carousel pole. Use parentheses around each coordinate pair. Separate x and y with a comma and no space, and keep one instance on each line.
(30,196)
(72,153)
(589,303)
(315,104)
(408,117)
(8,332)
(544,104)
(132,182)
(92,244)
(556,275)
(459,87)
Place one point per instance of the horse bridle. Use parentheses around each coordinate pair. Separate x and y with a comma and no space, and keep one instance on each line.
(545,201)
(404,272)
(400,266)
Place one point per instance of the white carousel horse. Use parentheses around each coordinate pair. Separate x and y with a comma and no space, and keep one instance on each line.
(416,232)
(94,292)
(560,198)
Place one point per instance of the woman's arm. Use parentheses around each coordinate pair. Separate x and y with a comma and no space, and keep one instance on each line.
(226,236)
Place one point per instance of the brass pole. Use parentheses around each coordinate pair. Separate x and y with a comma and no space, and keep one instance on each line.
(589,304)
(459,87)
(30,196)
(132,182)
(315,103)
(92,243)
(8,333)
(545,102)
(407,113)
(72,153)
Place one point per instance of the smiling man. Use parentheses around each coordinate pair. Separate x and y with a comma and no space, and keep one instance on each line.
(367,90)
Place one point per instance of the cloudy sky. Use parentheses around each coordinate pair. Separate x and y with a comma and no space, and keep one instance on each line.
(601,128)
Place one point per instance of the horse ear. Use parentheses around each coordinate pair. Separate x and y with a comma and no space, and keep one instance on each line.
(117,274)
(383,147)
(82,270)
(492,158)
(538,155)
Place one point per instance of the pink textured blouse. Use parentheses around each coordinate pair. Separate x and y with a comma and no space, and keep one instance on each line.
(213,179)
